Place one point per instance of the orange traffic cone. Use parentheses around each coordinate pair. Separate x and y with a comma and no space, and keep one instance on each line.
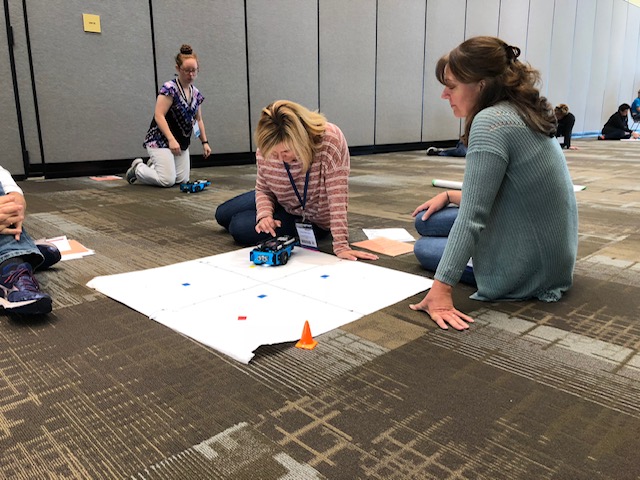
(306,341)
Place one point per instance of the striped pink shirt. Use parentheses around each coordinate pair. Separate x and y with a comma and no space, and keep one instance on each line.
(328,190)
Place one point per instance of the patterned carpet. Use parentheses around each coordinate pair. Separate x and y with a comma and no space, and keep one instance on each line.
(531,391)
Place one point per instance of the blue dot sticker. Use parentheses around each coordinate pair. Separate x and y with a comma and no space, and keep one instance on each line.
(324,276)
(186,284)
(261,296)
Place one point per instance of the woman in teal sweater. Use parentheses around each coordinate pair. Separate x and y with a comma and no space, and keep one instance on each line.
(517,217)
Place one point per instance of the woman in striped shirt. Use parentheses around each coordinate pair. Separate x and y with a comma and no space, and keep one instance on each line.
(302,182)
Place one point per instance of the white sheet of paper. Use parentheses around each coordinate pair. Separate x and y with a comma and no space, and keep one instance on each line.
(356,286)
(238,262)
(61,242)
(171,287)
(399,234)
(230,304)
(272,316)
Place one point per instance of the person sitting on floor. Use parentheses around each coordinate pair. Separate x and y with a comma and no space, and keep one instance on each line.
(566,120)
(516,214)
(617,127)
(460,150)
(178,113)
(302,183)
(20,255)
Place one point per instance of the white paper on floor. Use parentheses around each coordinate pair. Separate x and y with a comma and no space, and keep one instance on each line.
(228,303)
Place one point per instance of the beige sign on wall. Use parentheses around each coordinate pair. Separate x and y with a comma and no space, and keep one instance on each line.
(91,22)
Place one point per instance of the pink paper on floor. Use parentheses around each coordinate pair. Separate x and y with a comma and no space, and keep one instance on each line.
(393,248)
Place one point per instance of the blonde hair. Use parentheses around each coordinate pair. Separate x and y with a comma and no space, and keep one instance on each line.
(562,109)
(290,123)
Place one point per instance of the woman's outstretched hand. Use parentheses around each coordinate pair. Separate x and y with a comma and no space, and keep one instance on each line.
(438,303)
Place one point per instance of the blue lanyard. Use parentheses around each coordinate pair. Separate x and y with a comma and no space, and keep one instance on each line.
(302,200)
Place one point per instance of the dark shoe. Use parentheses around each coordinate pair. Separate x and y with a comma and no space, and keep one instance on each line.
(131,173)
(433,151)
(50,253)
(20,292)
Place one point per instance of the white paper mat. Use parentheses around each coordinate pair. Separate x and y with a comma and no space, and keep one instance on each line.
(234,306)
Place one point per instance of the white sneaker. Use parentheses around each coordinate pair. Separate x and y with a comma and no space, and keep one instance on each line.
(431,151)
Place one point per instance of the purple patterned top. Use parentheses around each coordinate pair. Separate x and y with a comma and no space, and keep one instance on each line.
(180,117)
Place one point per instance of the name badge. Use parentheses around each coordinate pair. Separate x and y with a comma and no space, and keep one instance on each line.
(196,129)
(306,235)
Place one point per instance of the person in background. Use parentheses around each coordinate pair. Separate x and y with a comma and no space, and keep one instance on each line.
(19,255)
(516,214)
(169,136)
(635,108)
(566,120)
(460,150)
(302,184)
(617,127)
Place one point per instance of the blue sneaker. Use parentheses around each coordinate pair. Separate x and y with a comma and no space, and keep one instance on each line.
(20,292)
(50,253)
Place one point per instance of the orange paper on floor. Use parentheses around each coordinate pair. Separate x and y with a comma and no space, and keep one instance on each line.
(393,248)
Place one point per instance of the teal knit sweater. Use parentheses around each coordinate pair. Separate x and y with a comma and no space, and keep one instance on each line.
(518,217)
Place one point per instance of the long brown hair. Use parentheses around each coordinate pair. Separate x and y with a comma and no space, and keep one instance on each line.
(505,78)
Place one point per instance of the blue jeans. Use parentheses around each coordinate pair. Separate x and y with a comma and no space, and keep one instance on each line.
(10,247)
(238,216)
(460,150)
(434,232)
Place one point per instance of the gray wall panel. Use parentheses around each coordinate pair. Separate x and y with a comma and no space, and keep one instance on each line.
(514,18)
(628,85)
(367,65)
(445,30)
(283,54)
(27,103)
(616,67)
(482,18)
(215,30)
(348,67)
(581,62)
(399,72)
(597,112)
(95,91)
(560,79)
(633,32)
(538,52)
(9,132)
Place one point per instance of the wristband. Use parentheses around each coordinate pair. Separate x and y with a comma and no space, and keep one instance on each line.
(206,141)
(448,199)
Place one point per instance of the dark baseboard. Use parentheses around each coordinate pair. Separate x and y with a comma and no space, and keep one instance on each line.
(119,166)
(399,147)
(115,167)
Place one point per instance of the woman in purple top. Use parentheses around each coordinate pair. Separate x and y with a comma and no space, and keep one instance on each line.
(167,142)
